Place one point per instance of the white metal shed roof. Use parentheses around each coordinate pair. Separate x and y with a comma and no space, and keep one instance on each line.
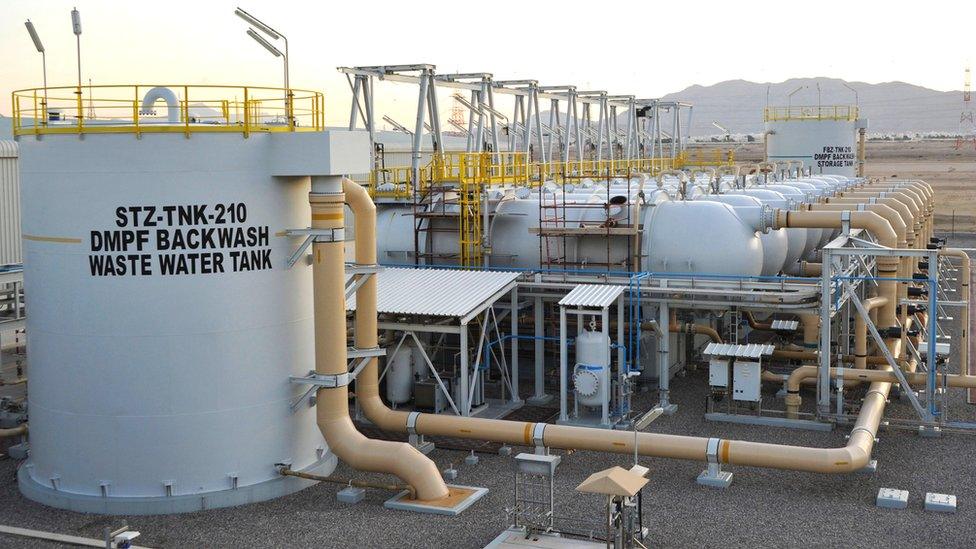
(438,292)
(752,350)
(592,295)
(785,325)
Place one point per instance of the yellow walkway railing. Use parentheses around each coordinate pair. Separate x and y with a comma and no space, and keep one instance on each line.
(805,112)
(193,109)
(513,169)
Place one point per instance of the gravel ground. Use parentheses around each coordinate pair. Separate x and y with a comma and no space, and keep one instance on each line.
(761,508)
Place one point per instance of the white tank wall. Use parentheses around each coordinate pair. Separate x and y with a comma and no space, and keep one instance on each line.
(10,246)
(700,237)
(137,381)
(825,146)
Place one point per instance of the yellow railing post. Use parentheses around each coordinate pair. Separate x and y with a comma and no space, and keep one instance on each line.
(135,112)
(36,125)
(186,111)
(247,117)
(81,112)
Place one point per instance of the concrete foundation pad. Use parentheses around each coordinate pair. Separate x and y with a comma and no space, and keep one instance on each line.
(515,537)
(460,498)
(351,494)
(869,469)
(940,503)
(179,503)
(891,498)
(720,480)
(539,400)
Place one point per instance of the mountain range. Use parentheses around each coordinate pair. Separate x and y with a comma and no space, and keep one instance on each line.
(890,107)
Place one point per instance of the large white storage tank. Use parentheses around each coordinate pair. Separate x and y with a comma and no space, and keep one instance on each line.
(823,138)
(164,321)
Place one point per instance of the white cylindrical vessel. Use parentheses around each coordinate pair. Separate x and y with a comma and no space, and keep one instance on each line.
(399,375)
(165,323)
(591,375)
(700,237)
(774,242)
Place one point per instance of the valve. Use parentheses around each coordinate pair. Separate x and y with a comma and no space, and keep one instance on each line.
(894,332)
(914,309)
(918,292)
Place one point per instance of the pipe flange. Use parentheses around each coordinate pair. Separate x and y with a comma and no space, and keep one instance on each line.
(768,218)
(586,383)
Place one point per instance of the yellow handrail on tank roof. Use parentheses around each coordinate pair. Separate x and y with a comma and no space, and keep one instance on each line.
(514,169)
(201,108)
(848,113)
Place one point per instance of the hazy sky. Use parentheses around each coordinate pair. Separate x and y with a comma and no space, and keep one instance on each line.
(643,48)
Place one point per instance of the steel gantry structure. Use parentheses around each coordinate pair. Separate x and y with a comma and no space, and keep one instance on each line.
(651,127)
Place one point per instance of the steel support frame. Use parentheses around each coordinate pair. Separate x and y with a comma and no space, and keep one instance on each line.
(840,286)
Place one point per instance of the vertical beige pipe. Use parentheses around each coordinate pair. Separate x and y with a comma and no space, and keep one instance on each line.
(887,266)
(861,332)
(793,399)
(894,219)
(332,409)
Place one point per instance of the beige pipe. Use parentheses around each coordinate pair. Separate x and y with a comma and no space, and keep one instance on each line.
(861,331)
(849,458)
(814,356)
(793,399)
(18,381)
(17,431)
(332,409)
(700,329)
(687,328)
(895,220)
(810,324)
(811,268)
(914,236)
(888,267)
(756,325)
(803,373)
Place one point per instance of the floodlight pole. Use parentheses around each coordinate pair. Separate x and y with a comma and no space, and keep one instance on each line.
(274,34)
(40,48)
(76,28)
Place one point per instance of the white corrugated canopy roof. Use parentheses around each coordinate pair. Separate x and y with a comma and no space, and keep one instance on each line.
(592,295)
(752,350)
(437,292)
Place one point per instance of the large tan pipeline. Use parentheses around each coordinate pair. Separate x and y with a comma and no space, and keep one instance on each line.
(332,408)
(793,399)
(19,430)
(676,327)
(854,456)
(802,373)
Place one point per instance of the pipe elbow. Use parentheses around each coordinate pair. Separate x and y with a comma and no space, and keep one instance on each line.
(165,94)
